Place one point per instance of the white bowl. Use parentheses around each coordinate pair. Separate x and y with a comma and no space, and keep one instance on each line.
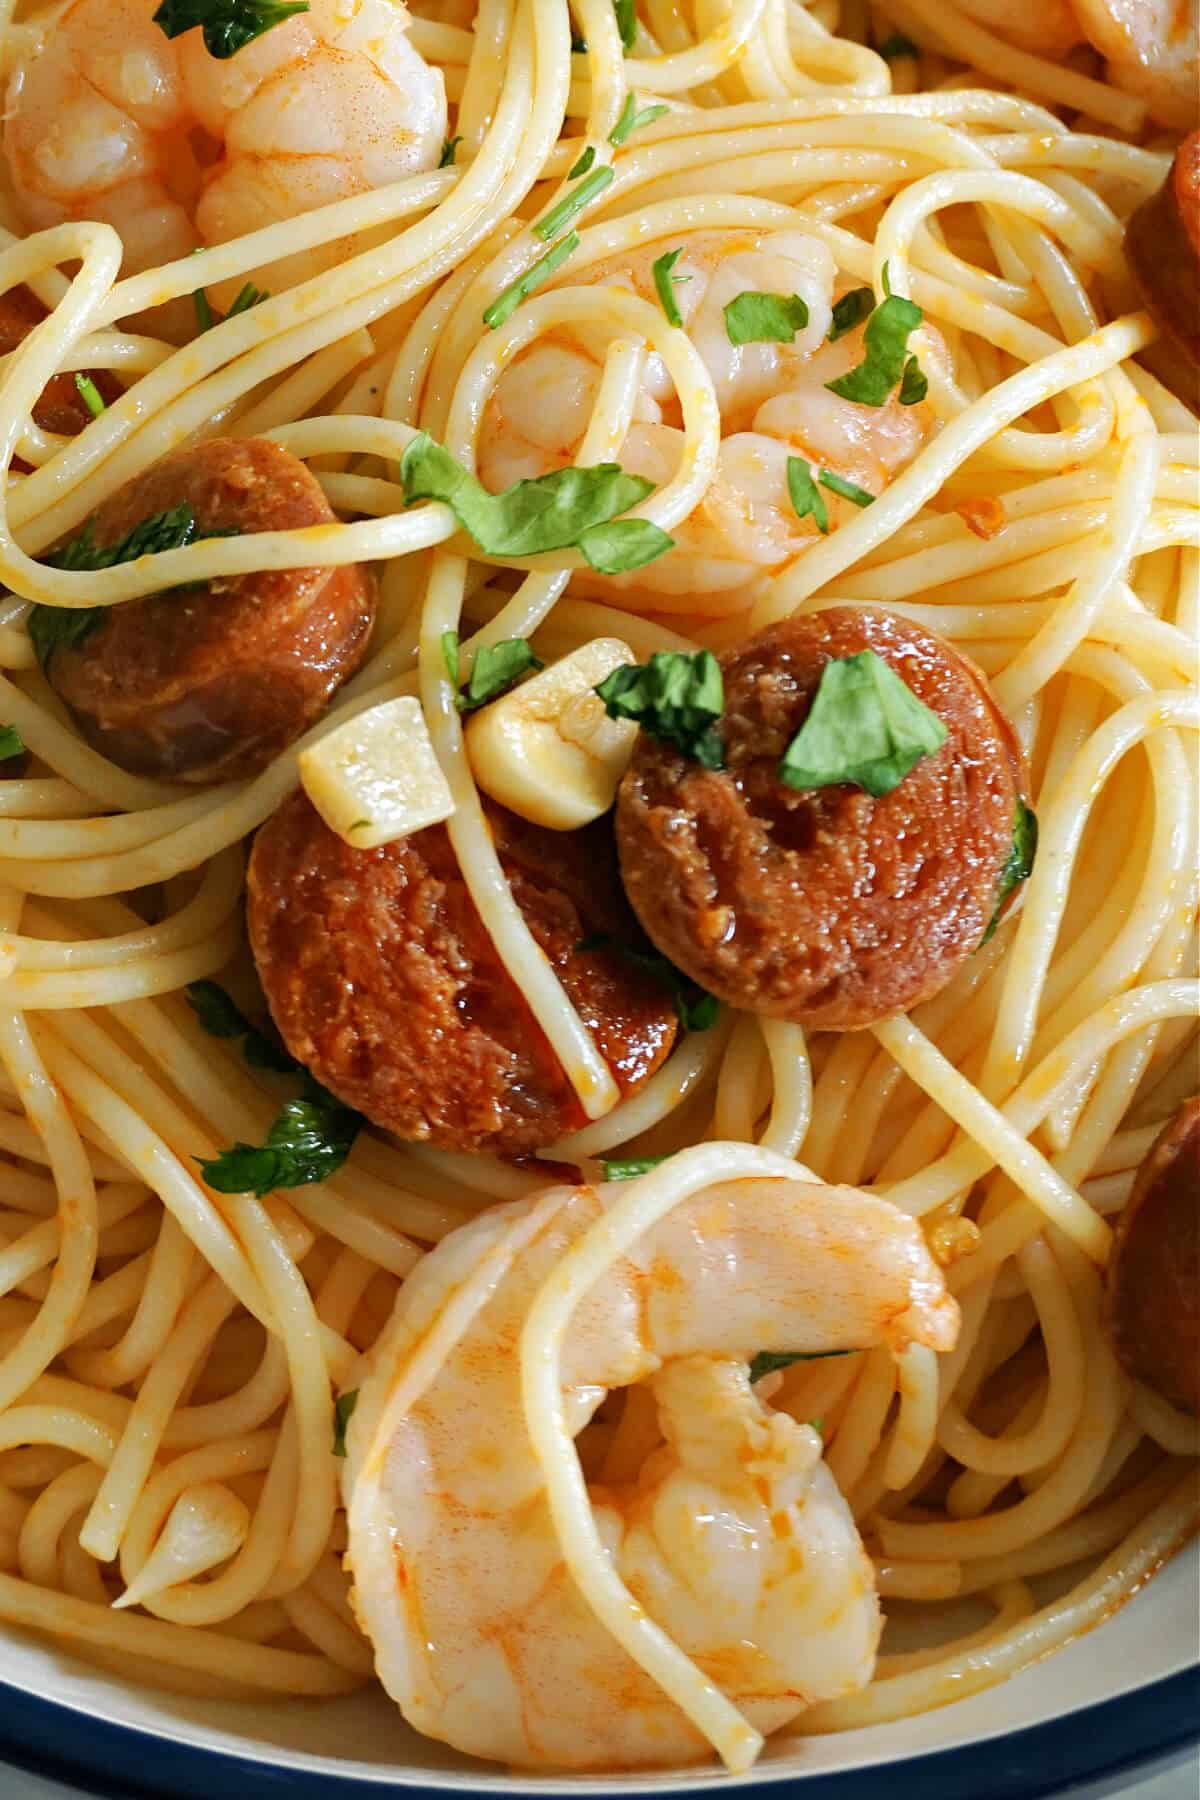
(1125,1693)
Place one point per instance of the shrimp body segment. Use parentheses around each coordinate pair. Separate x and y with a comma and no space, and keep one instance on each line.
(112,120)
(1150,47)
(774,404)
(726,1526)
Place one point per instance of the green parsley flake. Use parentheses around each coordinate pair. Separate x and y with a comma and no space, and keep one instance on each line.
(566,509)
(583,164)
(674,697)
(805,496)
(571,205)
(1019,864)
(90,394)
(885,341)
(632,120)
(507,302)
(837,484)
(754,318)
(664,283)
(865,727)
(228,25)
(629,1168)
(850,311)
(343,1412)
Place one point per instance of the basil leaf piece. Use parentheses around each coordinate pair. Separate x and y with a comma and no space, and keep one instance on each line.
(309,1140)
(11,742)
(624,544)
(849,490)
(626,11)
(664,283)
(571,205)
(449,152)
(674,697)
(1019,864)
(551,512)
(507,302)
(204,312)
(886,343)
(584,163)
(247,296)
(914,383)
(343,1412)
(850,311)
(897,45)
(805,496)
(754,318)
(633,120)
(90,394)
(865,727)
(59,627)
(228,25)
(222,1018)
(450,656)
(767,1361)
(695,1010)
(495,669)
(629,1168)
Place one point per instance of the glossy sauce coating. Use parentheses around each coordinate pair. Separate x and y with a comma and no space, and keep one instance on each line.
(1153,1302)
(826,906)
(211,683)
(1162,241)
(382,980)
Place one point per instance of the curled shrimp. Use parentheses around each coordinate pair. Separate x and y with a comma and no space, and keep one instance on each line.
(1150,47)
(774,405)
(727,1528)
(112,120)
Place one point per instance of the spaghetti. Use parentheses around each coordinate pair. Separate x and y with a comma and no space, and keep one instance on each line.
(163,1343)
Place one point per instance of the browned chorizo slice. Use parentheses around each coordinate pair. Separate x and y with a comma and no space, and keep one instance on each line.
(384,983)
(825,906)
(209,683)
(1162,241)
(1153,1300)
(61,407)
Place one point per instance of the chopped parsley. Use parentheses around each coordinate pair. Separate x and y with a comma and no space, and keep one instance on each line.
(571,205)
(495,669)
(228,25)
(807,499)
(754,318)
(632,119)
(222,1018)
(676,698)
(767,1361)
(664,283)
(508,300)
(885,341)
(449,152)
(90,394)
(1019,864)
(343,1412)
(865,727)
(849,490)
(566,509)
(11,743)
(583,163)
(630,1167)
(59,627)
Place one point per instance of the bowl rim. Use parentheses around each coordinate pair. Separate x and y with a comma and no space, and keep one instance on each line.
(1159,1720)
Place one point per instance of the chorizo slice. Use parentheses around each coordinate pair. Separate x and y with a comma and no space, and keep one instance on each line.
(383,981)
(210,683)
(1162,241)
(825,906)
(1153,1282)
(61,407)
